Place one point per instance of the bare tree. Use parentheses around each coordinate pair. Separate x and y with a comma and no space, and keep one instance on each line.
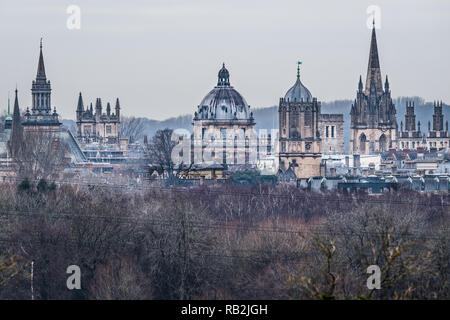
(120,279)
(133,128)
(160,150)
(40,155)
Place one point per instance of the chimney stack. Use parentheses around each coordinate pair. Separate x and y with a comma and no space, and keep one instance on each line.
(333,171)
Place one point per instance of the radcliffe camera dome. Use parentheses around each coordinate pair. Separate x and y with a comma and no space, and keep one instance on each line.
(298,92)
(223,102)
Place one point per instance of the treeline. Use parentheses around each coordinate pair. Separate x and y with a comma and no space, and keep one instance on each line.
(225,242)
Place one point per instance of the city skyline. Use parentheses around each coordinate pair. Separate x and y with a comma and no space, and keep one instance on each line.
(165,78)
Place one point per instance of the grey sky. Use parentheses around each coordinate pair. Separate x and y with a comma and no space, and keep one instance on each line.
(162,57)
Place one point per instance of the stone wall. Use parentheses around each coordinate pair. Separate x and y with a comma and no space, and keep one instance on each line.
(331,128)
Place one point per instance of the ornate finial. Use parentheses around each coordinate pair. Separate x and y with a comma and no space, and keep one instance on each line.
(223,65)
(298,68)
(41,43)
(373,21)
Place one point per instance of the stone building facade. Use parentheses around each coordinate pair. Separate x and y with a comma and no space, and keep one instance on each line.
(331,128)
(411,137)
(223,126)
(436,136)
(98,126)
(40,121)
(300,143)
(373,124)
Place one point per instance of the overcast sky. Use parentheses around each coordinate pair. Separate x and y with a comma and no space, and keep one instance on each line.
(161,57)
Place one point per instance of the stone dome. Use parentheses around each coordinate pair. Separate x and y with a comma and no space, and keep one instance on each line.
(223,102)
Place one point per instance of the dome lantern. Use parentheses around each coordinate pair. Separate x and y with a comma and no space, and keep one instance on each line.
(223,77)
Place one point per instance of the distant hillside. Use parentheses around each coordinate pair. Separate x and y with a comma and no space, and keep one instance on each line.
(267,118)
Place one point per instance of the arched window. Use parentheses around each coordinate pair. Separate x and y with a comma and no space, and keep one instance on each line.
(382,143)
(362,143)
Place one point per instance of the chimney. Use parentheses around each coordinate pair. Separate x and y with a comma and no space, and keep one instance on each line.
(333,171)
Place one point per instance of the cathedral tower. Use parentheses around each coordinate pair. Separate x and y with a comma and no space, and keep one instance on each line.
(41,116)
(299,136)
(373,123)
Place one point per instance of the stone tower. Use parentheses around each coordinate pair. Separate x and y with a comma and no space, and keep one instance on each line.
(438,117)
(410,138)
(410,117)
(299,136)
(373,123)
(438,138)
(41,116)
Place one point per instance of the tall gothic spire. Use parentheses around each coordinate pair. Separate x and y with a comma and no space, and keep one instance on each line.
(41,68)
(16,111)
(16,134)
(373,69)
(360,84)
(117,108)
(80,106)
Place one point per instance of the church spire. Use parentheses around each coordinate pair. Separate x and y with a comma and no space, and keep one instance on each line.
(373,69)
(16,106)
(8,117)
(16,134)
(360,84)
(118,108)
(80,106)
(41,68)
